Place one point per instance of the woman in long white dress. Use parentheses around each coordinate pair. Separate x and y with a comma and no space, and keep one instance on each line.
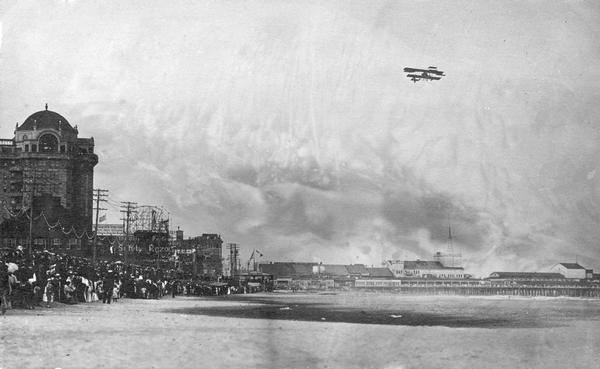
(87,293)
(116,290)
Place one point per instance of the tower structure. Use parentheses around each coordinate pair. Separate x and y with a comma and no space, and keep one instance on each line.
(451,258)
(47,172)
(233,259)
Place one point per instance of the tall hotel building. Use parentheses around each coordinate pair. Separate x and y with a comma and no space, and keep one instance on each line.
(48,171)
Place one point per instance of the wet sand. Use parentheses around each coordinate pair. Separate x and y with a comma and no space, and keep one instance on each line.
(306,331)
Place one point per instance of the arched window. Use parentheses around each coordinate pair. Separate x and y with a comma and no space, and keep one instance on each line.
(48,143)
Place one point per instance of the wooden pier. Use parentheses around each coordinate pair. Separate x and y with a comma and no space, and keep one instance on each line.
(570,291)
(479,287)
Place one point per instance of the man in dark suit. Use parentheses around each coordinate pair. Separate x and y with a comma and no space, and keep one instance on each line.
(108,284)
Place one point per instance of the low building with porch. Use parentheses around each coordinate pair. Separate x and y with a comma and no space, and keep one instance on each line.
(424,269)
(526,278)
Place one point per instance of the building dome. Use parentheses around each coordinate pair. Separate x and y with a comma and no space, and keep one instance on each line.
(45,119)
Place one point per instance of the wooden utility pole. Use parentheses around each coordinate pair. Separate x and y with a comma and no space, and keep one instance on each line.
(195,263)
(99,197)
(129,208)
(31,194)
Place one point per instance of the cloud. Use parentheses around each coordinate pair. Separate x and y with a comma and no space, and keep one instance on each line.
(292,129)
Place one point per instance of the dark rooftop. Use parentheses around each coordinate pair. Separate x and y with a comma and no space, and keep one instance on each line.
(380,272)
(525,275)
(284,269)
(335,269)
(45,119)
(572,266)
(357,269)
(424,264)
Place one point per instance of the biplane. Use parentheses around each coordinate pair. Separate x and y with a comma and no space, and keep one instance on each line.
(429,74)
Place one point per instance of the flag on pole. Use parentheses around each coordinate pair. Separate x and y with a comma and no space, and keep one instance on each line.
(102,218)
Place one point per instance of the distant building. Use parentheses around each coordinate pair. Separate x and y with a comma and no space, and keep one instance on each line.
(290,270)
(48,167)
(331,270)
(589,273)
(301,270)
(111,237)
(106,229)
(424,269)
(448,259)
(570,270)
(204,253)
(210,253)
(509,278)
(179,234)
(357,270)
(150,241)
(380,273)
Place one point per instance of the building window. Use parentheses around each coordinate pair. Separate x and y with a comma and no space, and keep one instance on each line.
(34,148)
(26,148)
(74,244)
(40,242)
(48,143)
(63,148)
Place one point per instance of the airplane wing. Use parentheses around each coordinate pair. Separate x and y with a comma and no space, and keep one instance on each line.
(431,77)
(412,70)
(438,72)
(415,76)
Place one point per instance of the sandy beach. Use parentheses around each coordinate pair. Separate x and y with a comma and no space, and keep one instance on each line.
(306,331)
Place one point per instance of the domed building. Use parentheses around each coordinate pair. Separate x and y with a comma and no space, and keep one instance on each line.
(47,170)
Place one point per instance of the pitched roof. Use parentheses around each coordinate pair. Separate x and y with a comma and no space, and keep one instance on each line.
(357,269)
(277,269)
(525,275)
(380,272)
(303,269)
(283,269)
(572,265)
(423,264)
(335,269)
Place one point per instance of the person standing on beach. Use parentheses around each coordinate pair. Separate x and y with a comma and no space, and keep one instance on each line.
(68,290)
(49,291)
(4,287)
(108,285)
(173,289)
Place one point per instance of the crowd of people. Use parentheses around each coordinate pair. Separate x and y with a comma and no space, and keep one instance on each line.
(42,278)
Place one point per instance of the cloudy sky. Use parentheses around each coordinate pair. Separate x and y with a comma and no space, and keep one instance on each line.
(290,127)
